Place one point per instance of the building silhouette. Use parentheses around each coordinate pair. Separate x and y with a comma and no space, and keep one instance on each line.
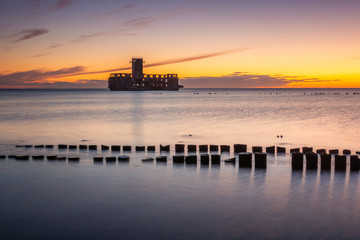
(138,81)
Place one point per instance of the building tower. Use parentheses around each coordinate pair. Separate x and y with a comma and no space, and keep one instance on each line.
(137,67)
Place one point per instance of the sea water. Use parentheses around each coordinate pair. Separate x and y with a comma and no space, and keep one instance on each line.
(152,200)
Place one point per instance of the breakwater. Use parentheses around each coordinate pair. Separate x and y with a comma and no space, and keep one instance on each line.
(244,156)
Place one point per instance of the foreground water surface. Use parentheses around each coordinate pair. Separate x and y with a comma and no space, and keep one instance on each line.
(151,200)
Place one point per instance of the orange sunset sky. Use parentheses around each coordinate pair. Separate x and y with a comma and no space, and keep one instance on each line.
(212,43)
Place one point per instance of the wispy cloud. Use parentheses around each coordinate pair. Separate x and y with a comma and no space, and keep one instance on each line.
(30,33)
(138,22)
(81,84)
(125,28)
(61,4)
(127,8)
(248,80)
(39,7)
(36,76)
(41,55)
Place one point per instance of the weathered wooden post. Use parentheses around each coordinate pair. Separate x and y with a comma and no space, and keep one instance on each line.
(73,158)
(22,157)
(270,149)
(307,149)
(340,162)
(104,148)
(151,148)
(115,148)
(62,146)
(215,158)
(126,148)
(161,159)
(83,147)
(203,148)
(280,149)
(325,161)
(191,159)
(238,148)
(320,151)
(354,163)
(334,151)
(178,158)
(245,159)
(179,148)
(346,152)
(38,157)
(164,148)
(110,159)
(204,159)
(98,158)
(191,148)
(92,147)
(260,160)
(214,148)
(224,148)
(51,157)
(256,149)
(294,150)
(311,161)
(72,147)
(140,148)
(297,161)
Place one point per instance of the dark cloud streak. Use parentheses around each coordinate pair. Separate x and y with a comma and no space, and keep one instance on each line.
(37,75)
(41,55)
(194,58)
(30,33)
(61,4)
(166,62)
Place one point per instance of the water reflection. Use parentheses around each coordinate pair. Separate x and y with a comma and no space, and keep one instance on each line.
(137,117)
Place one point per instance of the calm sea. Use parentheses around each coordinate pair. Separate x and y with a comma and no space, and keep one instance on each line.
(152,200)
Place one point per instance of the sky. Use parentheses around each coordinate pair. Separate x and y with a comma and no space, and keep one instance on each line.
(208,43)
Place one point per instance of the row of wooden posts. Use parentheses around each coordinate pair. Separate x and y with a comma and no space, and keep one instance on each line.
(180,148)
(245,160)
(312,161)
